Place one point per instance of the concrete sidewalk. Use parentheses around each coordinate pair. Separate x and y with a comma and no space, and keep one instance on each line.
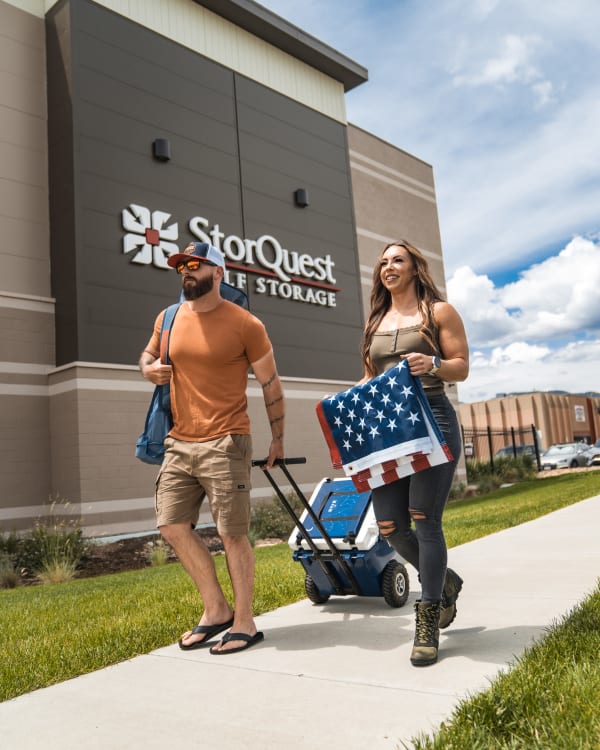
(336,675)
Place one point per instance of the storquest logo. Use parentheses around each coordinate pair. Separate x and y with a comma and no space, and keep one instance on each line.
(149,240)
(275,271)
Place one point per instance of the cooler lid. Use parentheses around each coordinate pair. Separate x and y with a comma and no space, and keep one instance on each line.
(340,507)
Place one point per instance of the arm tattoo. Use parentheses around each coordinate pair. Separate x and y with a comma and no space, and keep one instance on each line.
(275,401)
(269,381)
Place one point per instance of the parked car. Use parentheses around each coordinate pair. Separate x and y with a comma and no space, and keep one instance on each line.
(507,451)
(594,453)
(566,456)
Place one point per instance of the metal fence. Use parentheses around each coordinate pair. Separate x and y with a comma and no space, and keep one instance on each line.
(483,445)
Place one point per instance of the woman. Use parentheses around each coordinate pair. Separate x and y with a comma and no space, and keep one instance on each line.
(410,320)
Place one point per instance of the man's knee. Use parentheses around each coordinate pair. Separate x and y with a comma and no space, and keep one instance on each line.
(417,515)
(234,541)
(174,532)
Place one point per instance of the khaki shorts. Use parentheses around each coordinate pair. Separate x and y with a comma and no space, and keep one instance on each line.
(218,469)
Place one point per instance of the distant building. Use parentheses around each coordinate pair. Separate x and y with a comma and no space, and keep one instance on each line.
(557,418)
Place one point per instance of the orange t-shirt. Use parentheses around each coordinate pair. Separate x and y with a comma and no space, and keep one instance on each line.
(211,353)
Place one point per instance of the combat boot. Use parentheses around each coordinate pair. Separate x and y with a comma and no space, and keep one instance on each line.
(452,586)
(425,648)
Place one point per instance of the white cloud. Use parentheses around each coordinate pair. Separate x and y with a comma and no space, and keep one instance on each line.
(559,296)
(512,64)
(517,353)
(544,93)
(521,369)
(480,305)
(517,332)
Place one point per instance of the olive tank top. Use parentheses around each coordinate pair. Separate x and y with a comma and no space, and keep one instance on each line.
(389,347)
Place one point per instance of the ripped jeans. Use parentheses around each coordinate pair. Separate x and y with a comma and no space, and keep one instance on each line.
(422,498)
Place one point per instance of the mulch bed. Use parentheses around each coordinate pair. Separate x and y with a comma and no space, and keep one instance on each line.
(131,553)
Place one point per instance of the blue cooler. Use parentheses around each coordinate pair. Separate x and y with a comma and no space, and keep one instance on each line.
(337,541)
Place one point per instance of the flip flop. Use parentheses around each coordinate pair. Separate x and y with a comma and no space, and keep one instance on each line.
(250,640)
(209,631)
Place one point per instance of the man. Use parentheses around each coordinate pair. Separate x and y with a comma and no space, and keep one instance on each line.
(208,452)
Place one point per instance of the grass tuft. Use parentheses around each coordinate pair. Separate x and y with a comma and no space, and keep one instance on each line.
(9,577)
(57,570)
(158,553)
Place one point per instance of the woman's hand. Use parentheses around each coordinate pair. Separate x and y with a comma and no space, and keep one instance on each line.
(419,364)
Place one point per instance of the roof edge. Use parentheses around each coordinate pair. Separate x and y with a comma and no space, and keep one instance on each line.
(275,30)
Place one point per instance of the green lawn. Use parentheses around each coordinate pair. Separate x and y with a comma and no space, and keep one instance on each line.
(51,633)
(548,700)
(54,632)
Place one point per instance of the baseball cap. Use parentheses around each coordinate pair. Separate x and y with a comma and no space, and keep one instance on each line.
(201,250)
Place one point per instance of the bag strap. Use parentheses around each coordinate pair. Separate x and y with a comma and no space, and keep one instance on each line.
(165,331)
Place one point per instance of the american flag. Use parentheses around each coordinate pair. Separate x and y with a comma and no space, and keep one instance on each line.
(382,430)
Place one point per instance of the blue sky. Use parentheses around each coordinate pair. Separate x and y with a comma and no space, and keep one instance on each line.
(502,98)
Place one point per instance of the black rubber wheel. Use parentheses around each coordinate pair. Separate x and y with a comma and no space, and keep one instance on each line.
(313,592)
(573,464)
(395,585)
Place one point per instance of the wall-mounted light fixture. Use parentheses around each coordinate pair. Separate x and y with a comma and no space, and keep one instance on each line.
(301,197)
(161,149)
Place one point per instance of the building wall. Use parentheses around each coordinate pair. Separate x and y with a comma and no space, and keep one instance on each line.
(26,305)
(384,176)
(243,137)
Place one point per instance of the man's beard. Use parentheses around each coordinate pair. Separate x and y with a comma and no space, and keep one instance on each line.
(193,289)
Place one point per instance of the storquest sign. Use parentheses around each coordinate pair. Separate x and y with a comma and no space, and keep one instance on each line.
(150,239)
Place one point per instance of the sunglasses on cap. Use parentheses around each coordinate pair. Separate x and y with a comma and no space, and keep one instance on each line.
(193,264)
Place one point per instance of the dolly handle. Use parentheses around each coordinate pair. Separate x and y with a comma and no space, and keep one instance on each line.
(287,461)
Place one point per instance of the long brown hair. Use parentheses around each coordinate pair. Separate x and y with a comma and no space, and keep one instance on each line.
(427,295)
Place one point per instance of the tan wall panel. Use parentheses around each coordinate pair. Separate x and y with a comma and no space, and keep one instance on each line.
(415,171)
(23,275)
(23,94)
(65,460)
(383,176)
(110,423)
(25,243)
(24,130)
(23,164)
(26,336)
(22,201)
(31,8)
(414,218)
(22,52)
(24,222)
(24,457)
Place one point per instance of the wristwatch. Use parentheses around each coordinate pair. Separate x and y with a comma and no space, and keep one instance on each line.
(435,365)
